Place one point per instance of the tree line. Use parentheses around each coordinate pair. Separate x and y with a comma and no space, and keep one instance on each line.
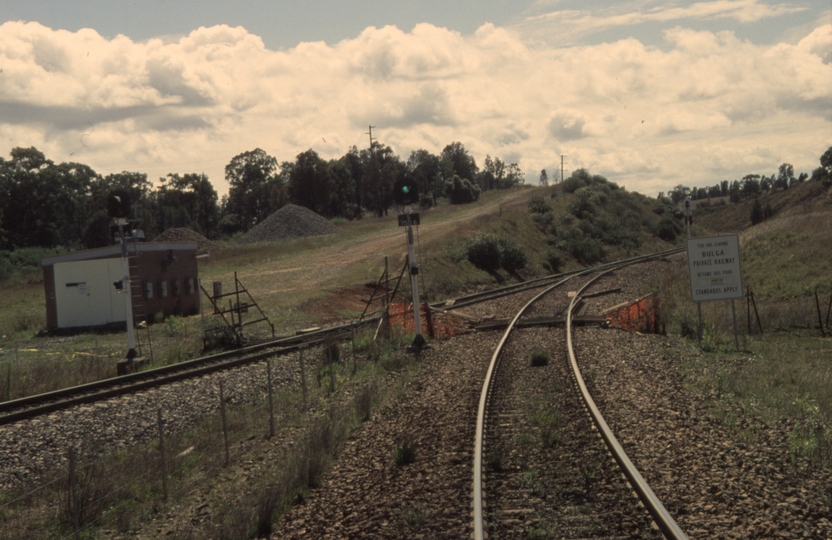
(45,204)
(753,185)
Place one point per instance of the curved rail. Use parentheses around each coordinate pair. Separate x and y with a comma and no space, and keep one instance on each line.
(661,516)
(536,283)
(664,520)
(479,531)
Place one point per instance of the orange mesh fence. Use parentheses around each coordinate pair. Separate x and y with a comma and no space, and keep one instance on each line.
(640,316)
(436,324)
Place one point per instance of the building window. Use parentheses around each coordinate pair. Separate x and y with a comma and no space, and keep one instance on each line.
(163,289)
(147,289)
(189,285)
(174,283)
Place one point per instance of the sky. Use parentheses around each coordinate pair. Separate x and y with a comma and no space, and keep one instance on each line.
(649,94)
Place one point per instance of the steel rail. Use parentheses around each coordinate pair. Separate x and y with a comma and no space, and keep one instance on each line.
(661,516)
(479,530)
(85,393)
(10,411)
(499,292)
(478,525)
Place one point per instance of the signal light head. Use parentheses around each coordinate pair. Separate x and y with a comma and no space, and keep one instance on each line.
(405,192)
(118,204)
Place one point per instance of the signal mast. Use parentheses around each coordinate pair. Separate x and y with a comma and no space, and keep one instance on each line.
(406,194)
(118,208)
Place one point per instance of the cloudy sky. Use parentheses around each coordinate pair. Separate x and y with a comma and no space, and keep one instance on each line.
(650,94)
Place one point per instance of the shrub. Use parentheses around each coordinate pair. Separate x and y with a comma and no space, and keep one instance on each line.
(484,252)
(538,206)
(544,221)
(554,259)
(587,250)
(512,256)
(461,190)
(539,358)
(405,453)
(668,229)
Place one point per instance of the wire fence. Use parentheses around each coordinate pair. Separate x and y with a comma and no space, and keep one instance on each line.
(113,493)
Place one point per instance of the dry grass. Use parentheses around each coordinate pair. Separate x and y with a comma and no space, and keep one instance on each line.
(787,371)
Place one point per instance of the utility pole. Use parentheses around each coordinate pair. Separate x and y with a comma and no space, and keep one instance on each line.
(561,167)
(370,133)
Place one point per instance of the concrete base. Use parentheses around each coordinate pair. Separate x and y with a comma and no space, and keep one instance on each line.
(124,366)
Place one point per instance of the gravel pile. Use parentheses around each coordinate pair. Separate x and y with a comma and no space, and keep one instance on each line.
(291,221)
(184,234)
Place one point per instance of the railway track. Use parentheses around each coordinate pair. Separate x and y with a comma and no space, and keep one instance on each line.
(540,455)
(40,404)
(37,405)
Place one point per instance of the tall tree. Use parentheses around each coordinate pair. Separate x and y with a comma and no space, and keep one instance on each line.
(309,183)
(187,201)
(460,161)
(785,176)
(43,204)
(381,170)
(426,170)
(251,176)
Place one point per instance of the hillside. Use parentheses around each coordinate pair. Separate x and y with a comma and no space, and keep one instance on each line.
(716,215)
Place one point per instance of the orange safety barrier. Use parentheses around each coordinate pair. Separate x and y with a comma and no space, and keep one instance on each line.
(436,324)
(640,316)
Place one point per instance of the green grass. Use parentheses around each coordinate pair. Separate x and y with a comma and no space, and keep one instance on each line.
(786,374)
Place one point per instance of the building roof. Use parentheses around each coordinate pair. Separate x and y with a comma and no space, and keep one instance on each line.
(115,251)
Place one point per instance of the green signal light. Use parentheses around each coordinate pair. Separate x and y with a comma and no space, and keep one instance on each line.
(405,189)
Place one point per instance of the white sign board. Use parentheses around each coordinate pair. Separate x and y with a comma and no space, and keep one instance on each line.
(714,264)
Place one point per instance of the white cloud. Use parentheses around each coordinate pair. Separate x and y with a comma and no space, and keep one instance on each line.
(697,112)
(566,26)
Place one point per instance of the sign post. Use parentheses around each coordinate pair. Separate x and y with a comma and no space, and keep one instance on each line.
(715,272)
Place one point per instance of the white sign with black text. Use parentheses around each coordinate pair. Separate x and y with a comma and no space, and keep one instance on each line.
(714,264)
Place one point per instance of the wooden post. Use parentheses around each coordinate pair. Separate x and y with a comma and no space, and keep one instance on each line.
(699,310)
(302,379)
(734,315)
(271,398)
(72,502)
(9,380)
(162,457)
(354,359)
(748,308)
(828,309)
(224,424)
(820,319)
(331,361)
(756,313)
(149,337)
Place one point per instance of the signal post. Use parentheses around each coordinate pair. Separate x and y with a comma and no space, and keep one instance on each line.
(406,194)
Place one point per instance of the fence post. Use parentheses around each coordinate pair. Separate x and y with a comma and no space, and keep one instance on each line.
(820,318)
(756,313)
(331,361)
(828,309)
(748,307)
(271,398)
(224,424)
(72,502)
(303,380)
(162,456)
(354,359)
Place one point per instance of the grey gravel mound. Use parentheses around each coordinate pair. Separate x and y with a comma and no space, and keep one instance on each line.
(184,234)
(291,221)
